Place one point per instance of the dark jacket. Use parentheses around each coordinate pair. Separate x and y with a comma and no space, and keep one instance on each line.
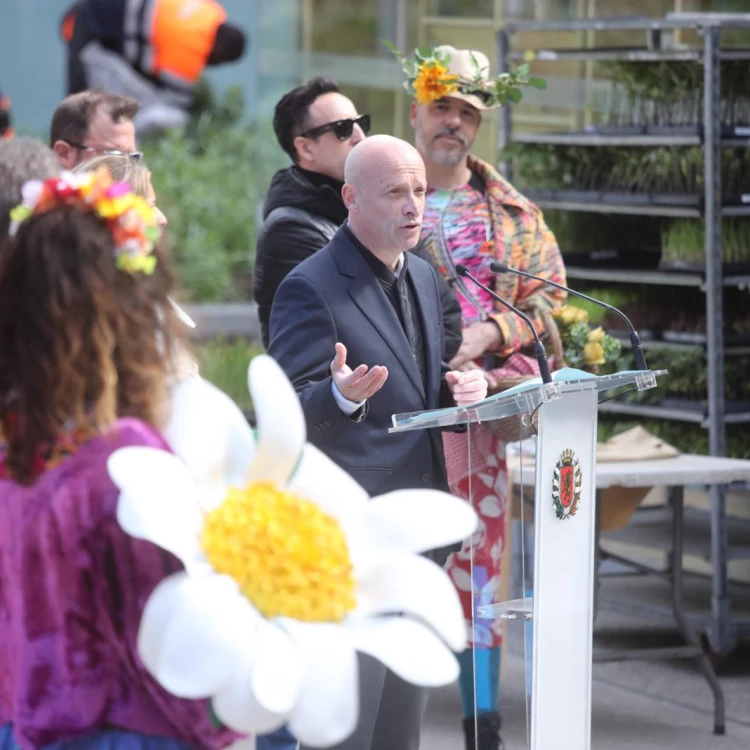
(335,296)
(299,217)
(301,214)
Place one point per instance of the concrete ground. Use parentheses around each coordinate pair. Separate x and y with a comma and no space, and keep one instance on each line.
(636,705)
(624,718)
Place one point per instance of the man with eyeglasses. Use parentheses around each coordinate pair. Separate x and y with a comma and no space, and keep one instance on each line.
(92,123)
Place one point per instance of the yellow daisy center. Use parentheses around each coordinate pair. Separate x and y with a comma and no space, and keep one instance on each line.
(288,556)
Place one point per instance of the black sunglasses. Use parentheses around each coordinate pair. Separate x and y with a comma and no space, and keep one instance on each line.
(342,129)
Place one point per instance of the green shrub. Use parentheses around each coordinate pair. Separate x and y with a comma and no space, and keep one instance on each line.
(224,363)
(683,241)
(209,182)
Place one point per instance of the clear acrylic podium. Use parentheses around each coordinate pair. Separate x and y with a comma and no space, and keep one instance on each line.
(563,414)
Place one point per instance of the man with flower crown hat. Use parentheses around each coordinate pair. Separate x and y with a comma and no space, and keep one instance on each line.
(473,217)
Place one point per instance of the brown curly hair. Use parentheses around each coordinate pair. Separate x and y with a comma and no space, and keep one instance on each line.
(82,343)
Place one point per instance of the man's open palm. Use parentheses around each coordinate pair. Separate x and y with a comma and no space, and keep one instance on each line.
(358,384)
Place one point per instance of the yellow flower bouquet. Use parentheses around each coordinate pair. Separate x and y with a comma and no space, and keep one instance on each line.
(584,347)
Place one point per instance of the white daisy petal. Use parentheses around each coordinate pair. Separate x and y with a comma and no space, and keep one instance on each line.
(211,435)
(277,670)
(320,480)
(415,521)
(416,586)
(191,632)
(281,423)
(237,707)
(408,649)
(158,500)
(328,704)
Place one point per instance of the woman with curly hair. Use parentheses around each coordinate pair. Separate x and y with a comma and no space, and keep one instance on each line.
(83,289)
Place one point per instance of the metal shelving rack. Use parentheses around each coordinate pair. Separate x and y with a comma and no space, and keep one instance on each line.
(722,629)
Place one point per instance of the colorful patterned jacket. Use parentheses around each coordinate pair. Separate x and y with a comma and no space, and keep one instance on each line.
(523,241)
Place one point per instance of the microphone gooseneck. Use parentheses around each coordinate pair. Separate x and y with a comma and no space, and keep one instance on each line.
(635,339)
(539,352)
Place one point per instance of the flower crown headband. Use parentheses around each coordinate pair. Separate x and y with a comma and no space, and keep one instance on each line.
(129,218)
(429,79)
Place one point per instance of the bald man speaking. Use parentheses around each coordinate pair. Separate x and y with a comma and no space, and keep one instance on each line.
(358,328)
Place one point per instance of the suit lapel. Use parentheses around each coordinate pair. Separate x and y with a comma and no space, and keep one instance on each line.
(367,294)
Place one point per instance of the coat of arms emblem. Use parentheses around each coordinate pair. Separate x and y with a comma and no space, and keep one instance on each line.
(566,485)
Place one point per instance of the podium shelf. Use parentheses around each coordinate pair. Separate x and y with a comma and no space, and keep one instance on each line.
(515,609)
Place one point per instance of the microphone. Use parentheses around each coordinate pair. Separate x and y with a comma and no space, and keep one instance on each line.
(539,353)
(635,339)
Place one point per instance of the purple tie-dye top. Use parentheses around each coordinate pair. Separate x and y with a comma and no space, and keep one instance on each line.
(73,587)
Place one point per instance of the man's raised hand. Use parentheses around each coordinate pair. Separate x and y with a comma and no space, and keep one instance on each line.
(467,387)
(358,384)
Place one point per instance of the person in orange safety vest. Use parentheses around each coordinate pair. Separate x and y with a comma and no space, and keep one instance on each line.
(152,50)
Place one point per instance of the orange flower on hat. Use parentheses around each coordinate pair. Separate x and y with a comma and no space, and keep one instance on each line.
(433,82)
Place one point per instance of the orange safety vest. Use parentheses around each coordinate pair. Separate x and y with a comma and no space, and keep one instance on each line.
(177,37)
(68,27)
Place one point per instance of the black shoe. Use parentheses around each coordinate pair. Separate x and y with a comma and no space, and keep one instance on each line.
(487,736)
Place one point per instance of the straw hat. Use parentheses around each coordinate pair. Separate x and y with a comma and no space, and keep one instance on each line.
(460,65)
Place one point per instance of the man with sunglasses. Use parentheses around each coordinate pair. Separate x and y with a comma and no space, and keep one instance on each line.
(92,123)
(317,126)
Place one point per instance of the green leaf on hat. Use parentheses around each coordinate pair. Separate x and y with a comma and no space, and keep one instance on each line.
(537,83)
(515,95)
(424,53)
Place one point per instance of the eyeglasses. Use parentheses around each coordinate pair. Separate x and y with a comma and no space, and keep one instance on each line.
(134,155)
(342,129)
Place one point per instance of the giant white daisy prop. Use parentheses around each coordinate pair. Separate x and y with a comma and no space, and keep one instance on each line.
(290,568)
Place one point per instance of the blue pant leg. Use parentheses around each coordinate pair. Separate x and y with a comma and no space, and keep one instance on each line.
(281,739)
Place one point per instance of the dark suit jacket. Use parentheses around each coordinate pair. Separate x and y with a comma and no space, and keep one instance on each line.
(334,296)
